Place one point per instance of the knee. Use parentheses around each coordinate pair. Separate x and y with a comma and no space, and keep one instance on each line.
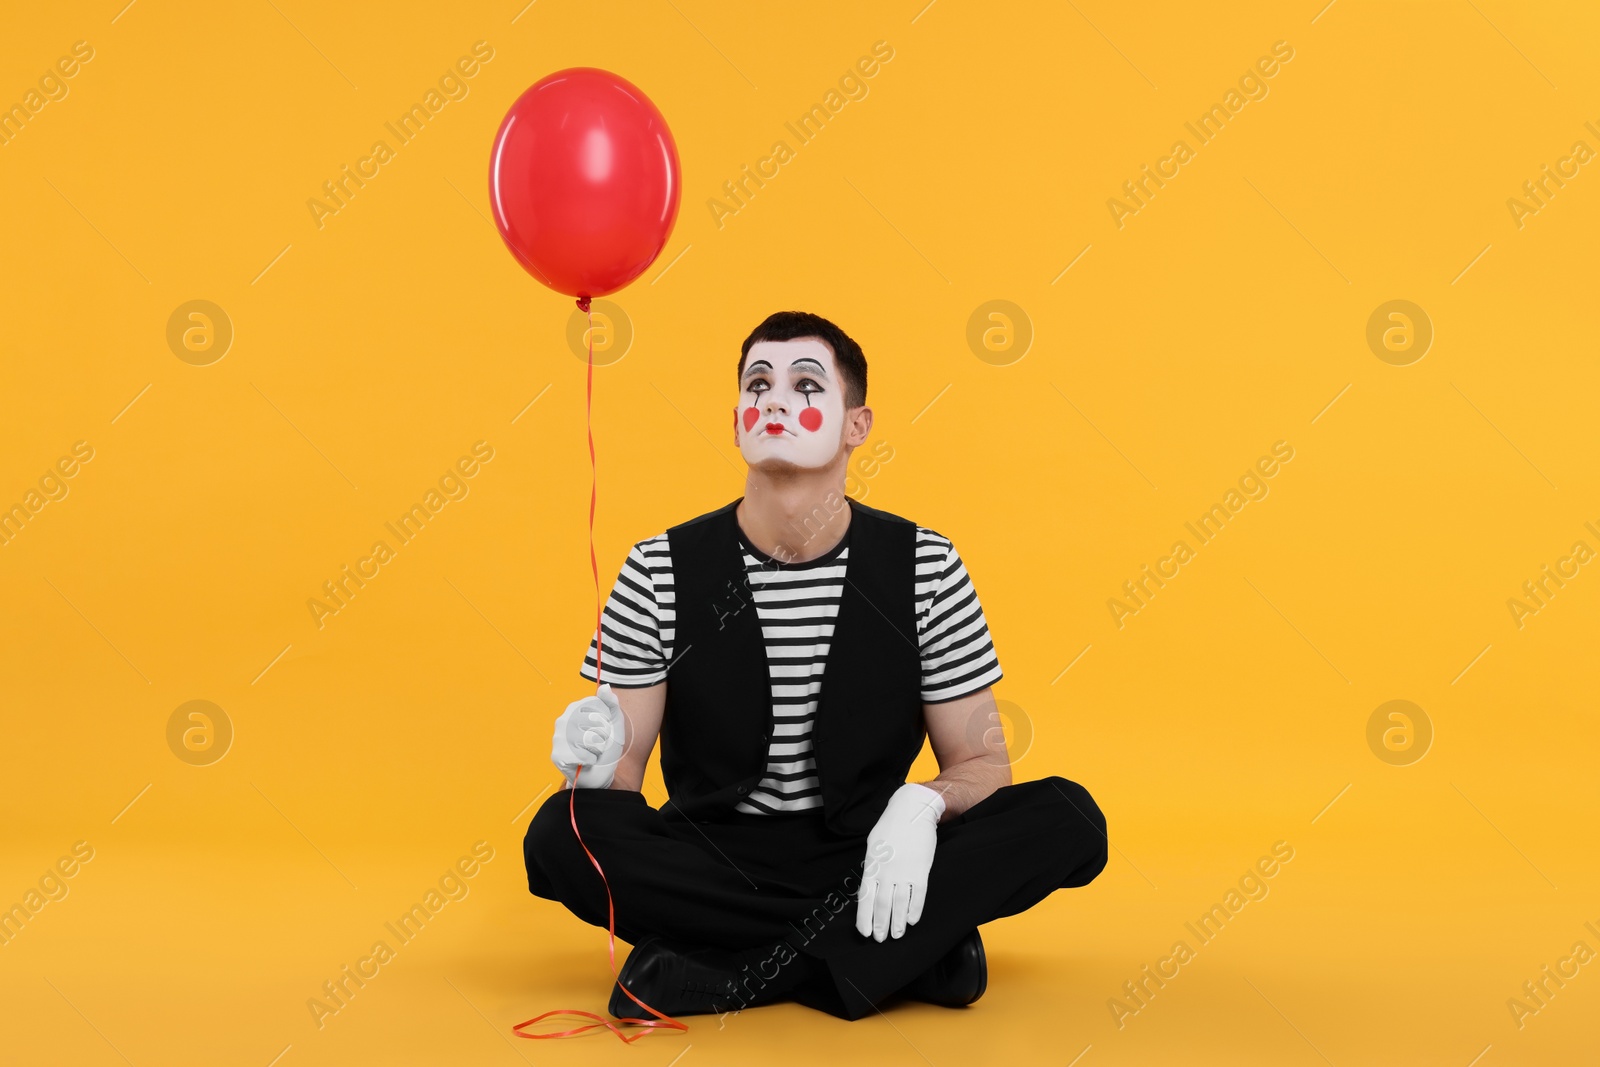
(1082,826)
(535,849)
(547,844)
(551,850)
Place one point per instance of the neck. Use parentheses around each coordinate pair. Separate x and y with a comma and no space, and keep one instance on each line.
(797,516)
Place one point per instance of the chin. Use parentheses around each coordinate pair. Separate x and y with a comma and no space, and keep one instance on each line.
(773,465)
(777,466)
(758,458)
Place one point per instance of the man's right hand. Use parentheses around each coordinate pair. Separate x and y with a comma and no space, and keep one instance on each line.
(591,732)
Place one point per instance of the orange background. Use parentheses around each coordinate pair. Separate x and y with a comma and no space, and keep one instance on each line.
(1229,313)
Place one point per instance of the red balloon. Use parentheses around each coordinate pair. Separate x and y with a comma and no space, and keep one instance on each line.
(584,181)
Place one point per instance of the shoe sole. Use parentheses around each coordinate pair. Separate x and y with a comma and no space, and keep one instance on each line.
(619,999)
(983,968)
(676,1002)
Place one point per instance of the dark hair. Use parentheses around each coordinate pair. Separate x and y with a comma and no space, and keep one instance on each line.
(792,325)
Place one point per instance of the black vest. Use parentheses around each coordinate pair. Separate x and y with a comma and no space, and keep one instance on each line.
(718,717)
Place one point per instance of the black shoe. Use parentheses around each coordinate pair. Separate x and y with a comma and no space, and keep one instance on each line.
(959,977)
(677,979)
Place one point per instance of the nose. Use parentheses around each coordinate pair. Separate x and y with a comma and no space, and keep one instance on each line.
(774,403)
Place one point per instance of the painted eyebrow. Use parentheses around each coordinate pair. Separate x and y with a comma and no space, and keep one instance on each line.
(761,365)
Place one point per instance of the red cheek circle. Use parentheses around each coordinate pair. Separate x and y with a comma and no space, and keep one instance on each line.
(750,417)
(811,419)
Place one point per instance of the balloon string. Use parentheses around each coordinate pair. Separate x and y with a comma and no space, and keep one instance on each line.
(660,1020)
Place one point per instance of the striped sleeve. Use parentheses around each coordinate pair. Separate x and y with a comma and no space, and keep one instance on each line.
(958,656)
(637,622)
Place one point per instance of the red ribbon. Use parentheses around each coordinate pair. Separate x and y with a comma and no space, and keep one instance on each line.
(660,1020)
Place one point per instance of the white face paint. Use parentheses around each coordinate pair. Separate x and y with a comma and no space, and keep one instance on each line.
(791,404)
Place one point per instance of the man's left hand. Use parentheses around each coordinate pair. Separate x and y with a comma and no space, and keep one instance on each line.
(892,892)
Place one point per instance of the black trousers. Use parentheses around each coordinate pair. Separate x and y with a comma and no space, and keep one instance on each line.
(749,880)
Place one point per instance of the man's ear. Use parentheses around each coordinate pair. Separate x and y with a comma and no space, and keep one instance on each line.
(861,425)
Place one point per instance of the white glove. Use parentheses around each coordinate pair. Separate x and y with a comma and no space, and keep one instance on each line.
(590,732)
(893,891)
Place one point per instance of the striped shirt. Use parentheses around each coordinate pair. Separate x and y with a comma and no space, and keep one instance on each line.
(797,604)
